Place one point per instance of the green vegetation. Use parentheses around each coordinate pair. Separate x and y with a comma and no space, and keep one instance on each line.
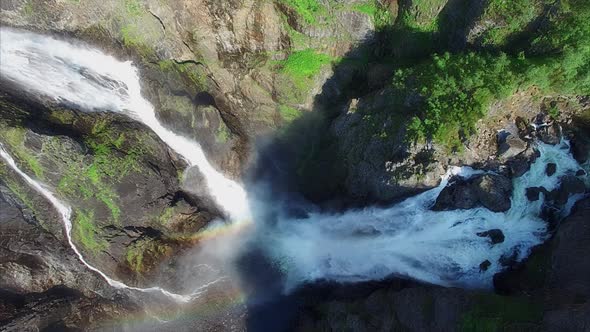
(422,15)
(87,233)
(309,10)
(304,65)
(289,113)
(492,313)
(513,17)
(114,157)
(15,138)
(455,91)
(222,134)
(378,12)
(166,215)
(141,253)
(133,7)
(187,70)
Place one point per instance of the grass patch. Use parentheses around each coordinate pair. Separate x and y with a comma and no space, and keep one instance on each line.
(309,10)
(115,156)
(166,215)
(303,66)
(142,254)
(15,138)
(379,13)
(289,113)
(133,7)
(87,233)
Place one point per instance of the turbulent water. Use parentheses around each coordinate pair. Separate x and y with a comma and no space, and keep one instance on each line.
(404,239)
(409,239)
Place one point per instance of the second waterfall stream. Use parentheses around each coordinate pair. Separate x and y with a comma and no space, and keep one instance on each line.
(93,81)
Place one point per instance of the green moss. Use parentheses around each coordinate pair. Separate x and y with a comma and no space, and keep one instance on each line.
(309,10)
(553,112)
(166,215)
(422,15)
(511,17)
(379,13)
(28,8)
(188,70)
(133,7)
(298,72)
(140,253)
(222,134)
(15,138)
(86,233)
(289,113)
(62,116)
(114,156)
(492,312)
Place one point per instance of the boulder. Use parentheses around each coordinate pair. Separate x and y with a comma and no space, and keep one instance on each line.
(551,169)
(459,195)
(495,235)
(485,265)
(550,134)
(510,145)
(570,185)
(489,190)
(494,192)
(533,193)
(522,163)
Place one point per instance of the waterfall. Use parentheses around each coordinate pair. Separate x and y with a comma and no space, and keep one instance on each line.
(93,81)
(73,73)
(409,239)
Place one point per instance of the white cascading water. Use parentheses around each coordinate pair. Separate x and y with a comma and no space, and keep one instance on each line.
(87,78)
(409,239)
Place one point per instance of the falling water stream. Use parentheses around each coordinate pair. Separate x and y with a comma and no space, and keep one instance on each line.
(93,81)
(404,239)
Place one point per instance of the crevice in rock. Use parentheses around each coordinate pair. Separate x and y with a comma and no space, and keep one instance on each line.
(159,20)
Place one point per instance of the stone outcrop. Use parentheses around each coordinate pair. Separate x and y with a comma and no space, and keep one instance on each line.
(490,191)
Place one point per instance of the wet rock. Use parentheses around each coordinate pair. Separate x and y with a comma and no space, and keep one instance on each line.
(522,163)
(489,190)
(484,266)
(510,259)
(551,169)
(570,266)
(510,145)
(533,193)
(494,191)
(495,235)
(459,195)
(570,185)
(550,134)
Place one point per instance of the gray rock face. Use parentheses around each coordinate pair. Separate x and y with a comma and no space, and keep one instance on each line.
(491,191)
(551,169)
(496,236)
(570,185)
(510,145)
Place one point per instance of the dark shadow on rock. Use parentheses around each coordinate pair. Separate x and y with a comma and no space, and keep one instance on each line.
(301,164)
